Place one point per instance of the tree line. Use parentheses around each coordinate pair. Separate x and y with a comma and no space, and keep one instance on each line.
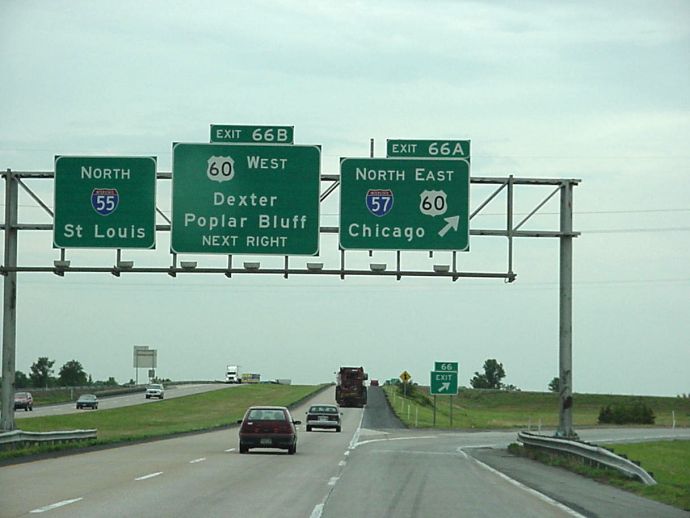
(71,374)
(493,375)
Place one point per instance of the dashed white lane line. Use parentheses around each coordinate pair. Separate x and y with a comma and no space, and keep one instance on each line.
(318,508)
(229,450)
(202,459)
(150,475)
(316,513)
(56,505)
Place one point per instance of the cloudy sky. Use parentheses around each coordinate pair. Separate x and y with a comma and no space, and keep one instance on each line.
(596,91)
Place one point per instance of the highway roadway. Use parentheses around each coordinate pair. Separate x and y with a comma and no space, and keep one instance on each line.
(136,398)
(373,468)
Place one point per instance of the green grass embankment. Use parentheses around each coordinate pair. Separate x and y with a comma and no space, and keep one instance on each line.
(199,412)
(491,409)
(668,462)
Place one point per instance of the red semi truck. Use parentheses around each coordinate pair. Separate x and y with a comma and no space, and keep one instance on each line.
(350,389)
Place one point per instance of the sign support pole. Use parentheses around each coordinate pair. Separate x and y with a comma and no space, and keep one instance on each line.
(9,311)
(434,424)
(565,335)
(451,411)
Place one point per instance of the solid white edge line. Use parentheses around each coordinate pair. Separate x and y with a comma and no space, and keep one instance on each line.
(355,437)
(534,492)
(56,505)
(397,439)
(150,475)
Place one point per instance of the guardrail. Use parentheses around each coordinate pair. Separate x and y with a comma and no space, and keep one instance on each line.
(587,451)
(18,438)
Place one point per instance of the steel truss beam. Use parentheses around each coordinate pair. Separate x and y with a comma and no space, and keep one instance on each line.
(564,233)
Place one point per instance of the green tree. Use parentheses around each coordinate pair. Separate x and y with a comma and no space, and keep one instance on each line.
(72,374)
(21,380)
(491,379)
(555,385)
(41,372)
(110,382)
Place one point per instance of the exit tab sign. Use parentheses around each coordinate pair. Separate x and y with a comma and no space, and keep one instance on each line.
(427,148)
(446,366)
(237,134)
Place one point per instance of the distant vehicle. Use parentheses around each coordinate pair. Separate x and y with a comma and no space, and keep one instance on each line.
(155,390)
(87,401)
(374,383)
(350,389)
(23,400)
(268,427)
(232,374)
(323,416)
(251,377)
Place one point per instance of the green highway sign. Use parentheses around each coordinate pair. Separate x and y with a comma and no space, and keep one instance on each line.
(428,148)
(404,204)
(105,202)
(446,366)
(237,134)
(245,199)
(443,383)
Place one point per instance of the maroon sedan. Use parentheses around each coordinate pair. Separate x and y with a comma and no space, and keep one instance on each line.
(268,427)
(23,400)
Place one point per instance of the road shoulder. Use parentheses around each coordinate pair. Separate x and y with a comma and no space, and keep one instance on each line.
(583,495)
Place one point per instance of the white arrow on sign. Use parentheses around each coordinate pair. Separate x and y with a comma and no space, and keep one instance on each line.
(451,222)
(444,386)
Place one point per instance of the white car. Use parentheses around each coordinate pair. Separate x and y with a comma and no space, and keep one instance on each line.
(155,390)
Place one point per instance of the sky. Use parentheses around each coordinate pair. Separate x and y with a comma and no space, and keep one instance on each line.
(593,91)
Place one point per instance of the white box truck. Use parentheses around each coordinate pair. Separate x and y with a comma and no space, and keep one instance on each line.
(232,374)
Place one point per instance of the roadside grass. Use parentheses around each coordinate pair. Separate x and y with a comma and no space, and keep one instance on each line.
(667,461)
(669,464)
(193,413)
(490,409)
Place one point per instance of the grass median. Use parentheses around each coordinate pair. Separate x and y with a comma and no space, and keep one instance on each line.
(194,413)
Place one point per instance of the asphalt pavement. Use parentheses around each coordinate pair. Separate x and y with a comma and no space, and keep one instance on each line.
(378,414)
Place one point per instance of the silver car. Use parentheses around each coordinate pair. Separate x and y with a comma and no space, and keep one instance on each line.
(323,416)
(155,390)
